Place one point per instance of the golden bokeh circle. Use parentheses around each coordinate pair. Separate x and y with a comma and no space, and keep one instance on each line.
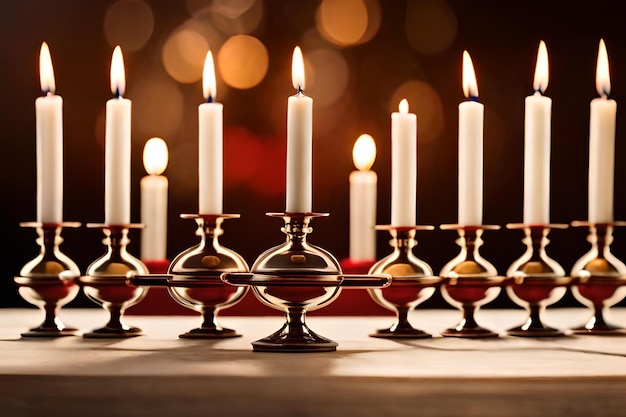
(343,22)
(183,55)
(243,61)
(128,23)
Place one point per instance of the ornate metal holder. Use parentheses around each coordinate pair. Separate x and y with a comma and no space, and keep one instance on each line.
(535,280)
(193,278)
(297,277)
(469,281)
(48,280)
(599,278)
(413,282)
(105,281)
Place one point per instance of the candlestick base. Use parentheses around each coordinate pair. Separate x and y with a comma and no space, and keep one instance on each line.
(536,281)
(469,281)
(105,282)
(599,279)
(48,280)
(412,283)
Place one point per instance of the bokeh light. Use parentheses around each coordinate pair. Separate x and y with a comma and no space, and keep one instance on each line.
(426,103)
(183,55)
(128,23)
(327,75)
(239,21)
(431,26)
(343,22)
(374,17)
(243,61)
(229,8)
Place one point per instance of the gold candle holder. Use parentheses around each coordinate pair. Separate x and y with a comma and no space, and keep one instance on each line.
(104,281)
(469,281)
(599,278)
(47,281)
(535,280)
(412,283)
(193,277)
(297,277)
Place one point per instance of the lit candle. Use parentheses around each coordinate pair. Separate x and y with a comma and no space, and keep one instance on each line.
(537,146)
(49,122)
(403,166)
(470,150)
(154,201)
(363,200)
(117,148)
(210,144)
(602,145)
(299,142)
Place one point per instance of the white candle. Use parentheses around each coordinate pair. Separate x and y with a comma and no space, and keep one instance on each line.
(154,201)
(49,132)
(117,148)
(537,146)
(602,145)
(403,166)
(363,200)
(470,150)
(299,142)
(210,145)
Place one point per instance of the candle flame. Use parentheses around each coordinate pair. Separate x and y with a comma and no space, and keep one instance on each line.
(208,77)
(118,79)
(297,69)
(603,79)
(364,152)
(541,69)
(470,86)
(46,72)
(155,156)
(403,107)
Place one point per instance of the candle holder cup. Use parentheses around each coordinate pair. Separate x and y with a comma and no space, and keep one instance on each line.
(535,280)
(193,277)
(297,277)
(599,278)
(104,281)
(469,281)
(412,283)
(47,281)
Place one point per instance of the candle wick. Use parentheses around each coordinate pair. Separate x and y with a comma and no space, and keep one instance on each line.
(209,99)
(117,93)
(473,98)
(605,94)
(47,92)
(300,91)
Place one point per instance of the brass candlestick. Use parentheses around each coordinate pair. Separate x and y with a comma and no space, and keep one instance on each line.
(535,280)
(105,281)
(599,278)
(297,277)
(412,283)
(469,281)
(48,280)
(193,277)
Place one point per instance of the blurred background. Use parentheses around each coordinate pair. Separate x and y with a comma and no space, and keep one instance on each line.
(362,57)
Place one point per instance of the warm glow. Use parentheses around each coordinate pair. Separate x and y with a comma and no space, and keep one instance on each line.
(470,86)
(541,69)
(297,69)
(118,80)
(155,156)
(364,152)
(403,107)
(242,61)
(208,77)
(46,73)
(343,22)
(603,80)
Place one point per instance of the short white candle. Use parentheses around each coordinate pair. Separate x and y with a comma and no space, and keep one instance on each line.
(49,132)
(299,142)
(363,200)
(210,144)
(403,166)
(117,148)
(602,144)
(154,201)
(537,120)
(470,150)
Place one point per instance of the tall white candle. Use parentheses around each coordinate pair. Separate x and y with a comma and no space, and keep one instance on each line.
(602,144)
(117,148)
(210,144)
(49,132)
(403,166)
(537,146)
(154,201)
(363,183)
(470,150)
(299,142)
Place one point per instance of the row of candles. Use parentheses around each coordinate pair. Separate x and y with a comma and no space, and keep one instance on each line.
(363,182)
